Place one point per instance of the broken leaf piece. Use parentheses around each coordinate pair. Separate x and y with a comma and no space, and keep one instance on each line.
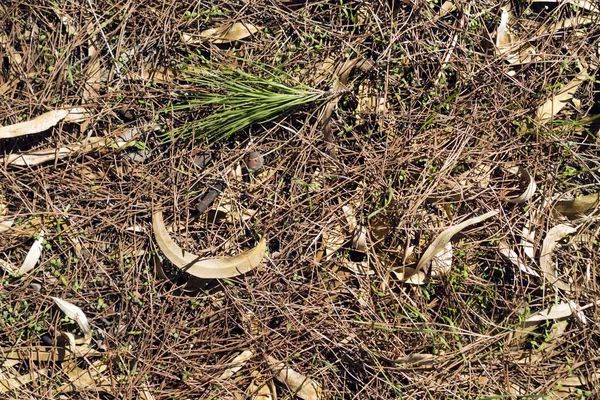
(36,125)
(34,254)
(226,33)
(237,364)
(10,384)
(554,104)
(577,207)
(77,315)
(514,258)
(90,379)
(260,391)
(302,386)
(550,241)
(36,157)
(508,45)
(208,268)
(557,311)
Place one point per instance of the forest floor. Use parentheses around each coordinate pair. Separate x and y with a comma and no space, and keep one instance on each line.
(426,229)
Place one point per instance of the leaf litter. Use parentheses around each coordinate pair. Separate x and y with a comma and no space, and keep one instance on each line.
(524,101)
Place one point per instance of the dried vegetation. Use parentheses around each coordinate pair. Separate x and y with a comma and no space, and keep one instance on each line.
(427,231)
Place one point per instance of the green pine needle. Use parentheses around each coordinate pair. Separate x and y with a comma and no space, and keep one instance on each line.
(237,100)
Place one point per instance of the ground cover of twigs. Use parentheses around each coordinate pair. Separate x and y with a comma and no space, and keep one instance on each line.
(281,199)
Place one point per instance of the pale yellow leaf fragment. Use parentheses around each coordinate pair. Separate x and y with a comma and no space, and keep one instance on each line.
(557,102)
(36,125)
(577,207)
(557,311)
(90,379)
(546,265)
(10,384)
(302,386)
(224,34)
(237,364)
(41,156)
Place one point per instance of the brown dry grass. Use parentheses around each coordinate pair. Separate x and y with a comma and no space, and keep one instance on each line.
(452,107)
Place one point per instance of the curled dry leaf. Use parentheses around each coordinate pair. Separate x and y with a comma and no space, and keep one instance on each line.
(442,261)
(237,364)
(302,386)
(577,207)
(514,258)
(359,239)
(550,241)
(225,33)
(33,255)
(556,103)
(77,315)
(210,268)
(527,180)
(36,125)
(440,242)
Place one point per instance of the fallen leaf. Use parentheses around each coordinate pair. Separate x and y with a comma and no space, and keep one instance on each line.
(333,239)
(46,353)
(585,4)
(514,258)
(225,33)
(237,364)
(441,263)
(550,241)
(557,311)
(37,157)
(210,268)
(556,103)
(259,391)
(528,241)
(34,254)
(5,225)
(10,384)
(443,238)
(359,239)
(77,115)
(527,180)
(89,379)
(36,125)
(77,315)
(417,360)
(303,387)
(508,45)
(577,207)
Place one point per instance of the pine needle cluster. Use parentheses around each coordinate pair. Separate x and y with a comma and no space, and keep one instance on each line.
(236,100)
